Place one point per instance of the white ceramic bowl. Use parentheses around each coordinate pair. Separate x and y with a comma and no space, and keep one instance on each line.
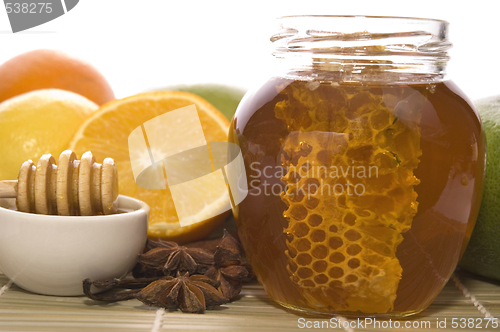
(53,254)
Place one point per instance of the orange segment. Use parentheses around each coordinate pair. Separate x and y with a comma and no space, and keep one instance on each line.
(106,135)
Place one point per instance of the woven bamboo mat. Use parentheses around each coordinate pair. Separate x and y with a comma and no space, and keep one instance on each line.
(469,299)
(465,296)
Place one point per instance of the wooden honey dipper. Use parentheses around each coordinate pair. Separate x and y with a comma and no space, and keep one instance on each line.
(73,187)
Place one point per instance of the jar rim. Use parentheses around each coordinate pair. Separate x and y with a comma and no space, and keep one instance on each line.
(369,17)
(353,24)
(364,45)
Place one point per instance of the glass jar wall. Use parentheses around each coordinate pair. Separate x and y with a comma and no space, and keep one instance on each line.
(364,166)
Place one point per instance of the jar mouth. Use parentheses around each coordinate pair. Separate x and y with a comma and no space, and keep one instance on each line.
(369,17)
(363,43)
(345,25)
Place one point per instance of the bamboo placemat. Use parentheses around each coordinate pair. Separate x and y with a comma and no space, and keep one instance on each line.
(465,296)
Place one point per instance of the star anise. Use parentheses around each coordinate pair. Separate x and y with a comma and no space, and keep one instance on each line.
(189,293)
(154,282)
(228,268)
(168,258)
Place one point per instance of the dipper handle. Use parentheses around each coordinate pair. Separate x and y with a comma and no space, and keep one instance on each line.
(73,187)
(8,189)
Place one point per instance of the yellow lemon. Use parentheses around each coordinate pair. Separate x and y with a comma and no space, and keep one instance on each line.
(38,122)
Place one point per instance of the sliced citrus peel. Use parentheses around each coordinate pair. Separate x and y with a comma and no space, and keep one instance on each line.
(341,246)
(106,134)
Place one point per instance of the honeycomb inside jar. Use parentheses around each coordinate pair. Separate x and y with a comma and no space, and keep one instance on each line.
(353,192)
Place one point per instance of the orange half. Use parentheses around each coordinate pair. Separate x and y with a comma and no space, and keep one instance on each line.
(106,135)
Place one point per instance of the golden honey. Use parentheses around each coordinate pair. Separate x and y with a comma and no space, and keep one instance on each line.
(362,193)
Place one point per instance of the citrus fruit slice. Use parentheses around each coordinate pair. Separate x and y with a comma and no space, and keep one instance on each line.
(36,123)
(106,135)
(51,69)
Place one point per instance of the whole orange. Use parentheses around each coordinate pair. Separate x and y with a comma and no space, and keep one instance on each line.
(45,69)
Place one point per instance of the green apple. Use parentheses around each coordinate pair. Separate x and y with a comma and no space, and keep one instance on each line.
(482,255)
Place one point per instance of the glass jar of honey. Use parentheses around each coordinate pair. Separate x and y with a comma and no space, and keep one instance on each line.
(364,166)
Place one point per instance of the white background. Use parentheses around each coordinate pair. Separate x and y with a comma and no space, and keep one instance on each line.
(144,44)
